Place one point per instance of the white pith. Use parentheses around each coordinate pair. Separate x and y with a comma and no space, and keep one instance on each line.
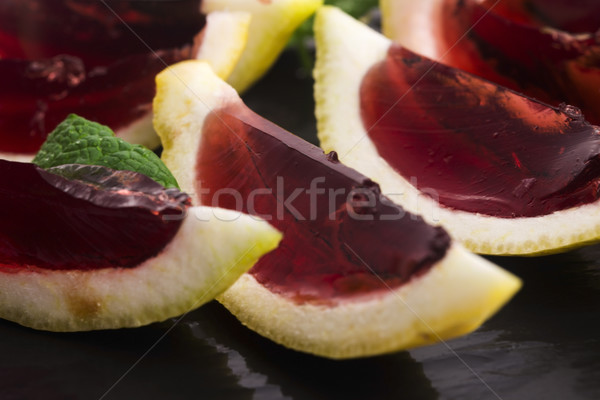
(224,39)
(453,298)
(346,50)
(412,24)
(204,258)
(184,98)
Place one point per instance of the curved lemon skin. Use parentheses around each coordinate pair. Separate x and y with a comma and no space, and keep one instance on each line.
(346,50)
(453,298)
(186,94)
(410,24)
(271,26)
(205,257)
(223,40)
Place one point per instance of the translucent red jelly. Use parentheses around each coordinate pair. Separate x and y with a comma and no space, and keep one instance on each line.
(574,16)
(549,50)
(59,57)
(89,217)
(477,146)
(37,95)
(97,33)
(341,237)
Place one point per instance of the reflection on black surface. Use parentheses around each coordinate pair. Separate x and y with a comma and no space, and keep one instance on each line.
(289,374)
(544,344)
(236,363)
(208,355)
(86,365)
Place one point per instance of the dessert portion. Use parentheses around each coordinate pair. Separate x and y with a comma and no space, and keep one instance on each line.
(504,173)
(483,148)
(355,274)
(93,59)
(327,263)
(93,247)
(99,59)
(549,50)
(86,217)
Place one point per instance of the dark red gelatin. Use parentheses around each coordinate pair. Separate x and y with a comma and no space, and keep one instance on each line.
(97,32)
(342,238)
(479,147)
(573,16)
(548,49)
(85,57)
(83,217)
(38,95)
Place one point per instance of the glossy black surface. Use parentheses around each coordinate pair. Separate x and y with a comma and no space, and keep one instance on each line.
(544,345)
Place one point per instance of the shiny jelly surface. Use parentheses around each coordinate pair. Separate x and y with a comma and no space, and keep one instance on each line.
(88,217)
(93,59)
(574,16)
(341,237)
(97,32)
(549,50)
(37,95)
(475,146)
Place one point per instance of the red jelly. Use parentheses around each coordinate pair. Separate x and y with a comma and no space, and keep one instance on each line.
(93,59)
(574,16)
(482,148)
(97,32)
(38,95)
(341,236)
(549,50)
(88,217)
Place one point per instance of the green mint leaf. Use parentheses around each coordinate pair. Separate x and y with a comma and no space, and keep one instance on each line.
(79,141)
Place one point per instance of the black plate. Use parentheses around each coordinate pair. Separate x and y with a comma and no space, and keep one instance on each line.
(544,345)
